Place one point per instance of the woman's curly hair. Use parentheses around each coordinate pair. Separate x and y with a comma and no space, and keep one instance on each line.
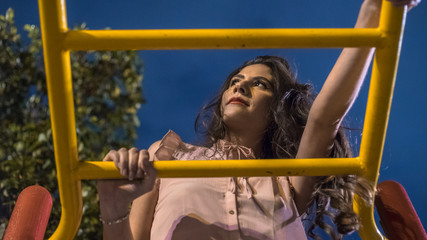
(332,195)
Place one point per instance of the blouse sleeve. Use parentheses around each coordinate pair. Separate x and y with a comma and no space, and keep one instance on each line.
(170,144)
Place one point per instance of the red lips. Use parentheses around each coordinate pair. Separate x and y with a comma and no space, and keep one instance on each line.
(237,100)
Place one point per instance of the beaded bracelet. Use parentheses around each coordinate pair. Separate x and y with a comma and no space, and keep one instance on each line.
(116,221)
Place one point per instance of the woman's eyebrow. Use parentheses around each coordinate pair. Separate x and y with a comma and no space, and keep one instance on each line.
(262,78)
(239,76)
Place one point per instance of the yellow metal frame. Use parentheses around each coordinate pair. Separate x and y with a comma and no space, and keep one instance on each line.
(58,41)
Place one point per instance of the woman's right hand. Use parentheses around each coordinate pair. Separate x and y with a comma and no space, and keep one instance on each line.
(116,195)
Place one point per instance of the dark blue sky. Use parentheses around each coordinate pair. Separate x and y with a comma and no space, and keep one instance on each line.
(178,83)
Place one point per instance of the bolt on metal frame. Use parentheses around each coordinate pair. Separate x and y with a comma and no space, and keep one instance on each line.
(58,41)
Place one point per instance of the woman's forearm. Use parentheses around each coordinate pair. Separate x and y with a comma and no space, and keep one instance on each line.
(345,79)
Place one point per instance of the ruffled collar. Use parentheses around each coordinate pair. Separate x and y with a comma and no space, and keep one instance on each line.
(172,142)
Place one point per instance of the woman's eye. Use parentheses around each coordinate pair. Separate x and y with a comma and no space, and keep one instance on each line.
(260,84)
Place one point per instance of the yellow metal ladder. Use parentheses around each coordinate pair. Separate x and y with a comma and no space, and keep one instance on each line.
(58,41)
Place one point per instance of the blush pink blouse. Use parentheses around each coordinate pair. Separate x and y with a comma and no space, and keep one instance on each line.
(222,208)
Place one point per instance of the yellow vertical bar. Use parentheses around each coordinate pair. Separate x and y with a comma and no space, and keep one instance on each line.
(384,70)
(58,74)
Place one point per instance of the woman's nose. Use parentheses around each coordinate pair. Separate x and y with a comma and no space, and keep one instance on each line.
(241,88)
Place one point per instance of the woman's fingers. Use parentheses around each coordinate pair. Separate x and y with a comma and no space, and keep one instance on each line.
(123,162)
(143,156)
(132,162)
(413,3)
(409,3)
(112,155)
(149,171)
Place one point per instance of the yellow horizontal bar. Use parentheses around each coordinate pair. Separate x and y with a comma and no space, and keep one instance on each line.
(227,168)
(221,39)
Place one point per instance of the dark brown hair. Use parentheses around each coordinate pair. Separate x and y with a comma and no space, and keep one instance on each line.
(289,112)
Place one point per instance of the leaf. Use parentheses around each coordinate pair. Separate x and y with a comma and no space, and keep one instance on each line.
(10,14)
(42,137)
(19,146)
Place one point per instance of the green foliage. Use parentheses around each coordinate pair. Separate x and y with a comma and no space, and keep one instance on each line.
(107,94)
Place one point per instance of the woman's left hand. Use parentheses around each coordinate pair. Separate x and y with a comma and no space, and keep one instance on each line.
(409,3)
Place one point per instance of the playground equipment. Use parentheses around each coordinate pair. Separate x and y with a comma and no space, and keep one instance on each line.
(58,41)
(30,215)
(397,215)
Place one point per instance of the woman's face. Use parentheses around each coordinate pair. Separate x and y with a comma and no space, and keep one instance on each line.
(246,103)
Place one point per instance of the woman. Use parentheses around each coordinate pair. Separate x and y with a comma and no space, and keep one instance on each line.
(261,112)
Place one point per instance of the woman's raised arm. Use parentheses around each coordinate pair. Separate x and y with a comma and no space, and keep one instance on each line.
(335,99)
(339,90)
